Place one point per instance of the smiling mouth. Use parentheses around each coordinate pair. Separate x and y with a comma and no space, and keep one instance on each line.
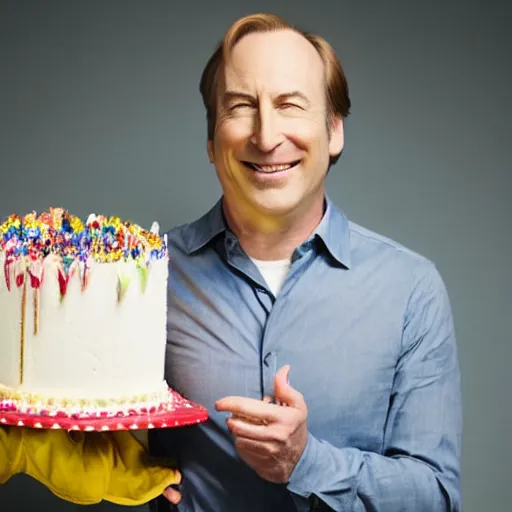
(271,169)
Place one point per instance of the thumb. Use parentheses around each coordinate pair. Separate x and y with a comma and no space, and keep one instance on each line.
(283,392)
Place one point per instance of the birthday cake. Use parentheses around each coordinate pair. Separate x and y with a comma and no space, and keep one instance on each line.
(82,317)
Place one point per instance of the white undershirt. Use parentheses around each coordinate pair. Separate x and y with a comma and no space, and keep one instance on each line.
(274,272)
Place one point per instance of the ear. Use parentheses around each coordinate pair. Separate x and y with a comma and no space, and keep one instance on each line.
(209,150)
(337,140)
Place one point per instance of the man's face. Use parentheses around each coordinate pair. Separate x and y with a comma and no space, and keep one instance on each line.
(272,144)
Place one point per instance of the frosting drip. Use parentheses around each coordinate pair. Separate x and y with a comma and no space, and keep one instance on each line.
(27,241)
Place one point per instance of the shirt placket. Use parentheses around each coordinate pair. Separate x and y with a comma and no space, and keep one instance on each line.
(273,307)
(271,338)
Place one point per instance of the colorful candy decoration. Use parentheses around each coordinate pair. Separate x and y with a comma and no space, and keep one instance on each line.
(26,241)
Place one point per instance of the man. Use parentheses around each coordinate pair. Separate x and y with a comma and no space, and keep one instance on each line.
(324,352)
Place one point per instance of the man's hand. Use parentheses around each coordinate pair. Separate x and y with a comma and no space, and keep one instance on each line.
(269,437)
(172,495)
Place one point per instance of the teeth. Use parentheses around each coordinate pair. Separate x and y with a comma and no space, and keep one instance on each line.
(272,168)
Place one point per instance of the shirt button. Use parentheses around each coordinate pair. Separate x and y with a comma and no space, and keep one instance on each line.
(266,359)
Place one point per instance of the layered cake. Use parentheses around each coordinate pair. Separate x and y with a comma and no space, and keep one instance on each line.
(82,316)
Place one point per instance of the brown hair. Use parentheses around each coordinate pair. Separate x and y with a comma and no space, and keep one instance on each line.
(336,87)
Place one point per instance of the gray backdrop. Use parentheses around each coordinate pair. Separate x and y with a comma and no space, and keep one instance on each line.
(100,112)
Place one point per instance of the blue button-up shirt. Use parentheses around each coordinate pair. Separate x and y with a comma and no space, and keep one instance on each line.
(367,329)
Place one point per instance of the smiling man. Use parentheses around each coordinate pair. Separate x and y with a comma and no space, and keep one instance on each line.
(325,352)
(272,139)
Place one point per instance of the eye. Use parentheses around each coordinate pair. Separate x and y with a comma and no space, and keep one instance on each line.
(238,106)
(287,106)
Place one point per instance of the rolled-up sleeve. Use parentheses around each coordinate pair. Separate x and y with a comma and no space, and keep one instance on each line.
(418,467)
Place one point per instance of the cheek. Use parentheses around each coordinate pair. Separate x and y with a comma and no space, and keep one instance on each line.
(311,137)
(230,140)
(233,133)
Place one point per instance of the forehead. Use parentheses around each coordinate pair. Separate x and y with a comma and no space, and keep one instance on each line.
(273,63)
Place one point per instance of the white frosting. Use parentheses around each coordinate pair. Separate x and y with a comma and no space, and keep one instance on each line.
(89,345)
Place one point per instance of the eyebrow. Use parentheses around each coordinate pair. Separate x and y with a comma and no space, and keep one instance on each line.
(230,96)
(292,95)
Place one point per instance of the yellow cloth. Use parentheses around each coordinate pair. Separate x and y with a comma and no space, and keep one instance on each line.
(85,467)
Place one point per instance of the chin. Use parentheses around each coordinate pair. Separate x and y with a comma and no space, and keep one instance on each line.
(273,203)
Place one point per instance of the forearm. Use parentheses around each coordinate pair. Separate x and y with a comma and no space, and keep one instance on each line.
(419,467)
(354,480)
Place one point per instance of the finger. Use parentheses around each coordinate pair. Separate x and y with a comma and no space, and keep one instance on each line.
(271,400)
(172,495)
(249,430)
(248,419)
(284,392)
(248,408)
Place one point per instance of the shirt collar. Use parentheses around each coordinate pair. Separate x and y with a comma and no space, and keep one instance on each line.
(202,231)
(333,230)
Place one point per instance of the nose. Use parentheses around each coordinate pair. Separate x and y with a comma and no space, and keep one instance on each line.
(266,134)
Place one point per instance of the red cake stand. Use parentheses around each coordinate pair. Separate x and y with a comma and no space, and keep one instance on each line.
(177,412)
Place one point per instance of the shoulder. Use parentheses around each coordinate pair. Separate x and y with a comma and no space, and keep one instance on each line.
(399,266)
(178,236)
(368,241)
(387,252)
(427,311)
(192,236)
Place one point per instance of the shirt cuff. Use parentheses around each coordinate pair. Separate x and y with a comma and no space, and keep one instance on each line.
(323,469)
(302,474)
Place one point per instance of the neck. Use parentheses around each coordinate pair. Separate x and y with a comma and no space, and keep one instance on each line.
(269,237)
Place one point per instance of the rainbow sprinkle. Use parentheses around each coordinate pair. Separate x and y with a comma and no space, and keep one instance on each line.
(104,239)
